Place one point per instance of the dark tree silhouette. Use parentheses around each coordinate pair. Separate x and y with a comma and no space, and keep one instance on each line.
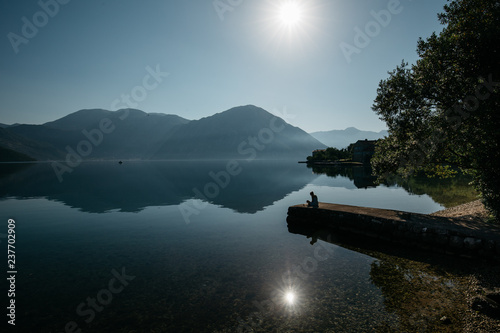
(444,111)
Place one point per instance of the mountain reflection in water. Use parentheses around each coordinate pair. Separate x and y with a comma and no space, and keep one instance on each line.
(98,187)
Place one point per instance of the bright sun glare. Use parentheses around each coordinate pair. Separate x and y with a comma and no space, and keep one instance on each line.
(290,297)
(288,23)
(290,13)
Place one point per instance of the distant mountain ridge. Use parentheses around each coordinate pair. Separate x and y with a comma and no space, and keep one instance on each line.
(342,138)
(241,132)
(131,134)
(244,132)
(5,125)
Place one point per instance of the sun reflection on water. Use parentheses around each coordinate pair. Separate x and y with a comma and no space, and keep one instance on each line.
(290,297)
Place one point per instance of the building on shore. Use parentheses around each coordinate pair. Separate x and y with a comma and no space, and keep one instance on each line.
(363,150)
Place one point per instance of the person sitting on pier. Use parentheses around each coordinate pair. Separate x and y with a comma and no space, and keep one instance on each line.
(314,201)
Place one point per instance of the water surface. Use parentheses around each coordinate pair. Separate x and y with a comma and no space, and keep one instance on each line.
(200,251)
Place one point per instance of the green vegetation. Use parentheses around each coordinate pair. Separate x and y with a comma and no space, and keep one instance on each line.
(331,154)
(443,111)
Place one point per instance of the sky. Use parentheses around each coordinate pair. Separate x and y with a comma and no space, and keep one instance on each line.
(318,62)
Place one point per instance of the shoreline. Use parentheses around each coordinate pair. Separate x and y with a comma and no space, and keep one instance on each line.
(466,233)
(332,163)
(483,290)
(471,211)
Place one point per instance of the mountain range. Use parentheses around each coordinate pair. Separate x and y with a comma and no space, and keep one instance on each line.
(342,138)
(244,132)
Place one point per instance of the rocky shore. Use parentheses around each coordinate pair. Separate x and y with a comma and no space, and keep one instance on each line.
(483,291)
(472,211)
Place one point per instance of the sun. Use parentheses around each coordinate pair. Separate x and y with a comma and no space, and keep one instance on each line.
(288,27)
(290,13)
(290,298)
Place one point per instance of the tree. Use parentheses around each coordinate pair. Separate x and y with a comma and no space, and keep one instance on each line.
(331,154)
(444,111)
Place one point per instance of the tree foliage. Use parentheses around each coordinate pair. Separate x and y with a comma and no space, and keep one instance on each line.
(331,154)
(445,109)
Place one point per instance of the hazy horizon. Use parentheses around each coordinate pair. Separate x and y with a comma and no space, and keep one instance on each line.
(171,114)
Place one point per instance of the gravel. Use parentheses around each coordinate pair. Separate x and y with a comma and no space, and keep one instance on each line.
(483,296)
(472,211)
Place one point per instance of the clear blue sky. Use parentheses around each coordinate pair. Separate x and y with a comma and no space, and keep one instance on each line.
(87,54)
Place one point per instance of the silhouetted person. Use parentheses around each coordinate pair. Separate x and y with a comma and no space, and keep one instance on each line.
(314,201)
(314,239)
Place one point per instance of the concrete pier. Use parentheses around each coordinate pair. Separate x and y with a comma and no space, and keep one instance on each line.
(434,233)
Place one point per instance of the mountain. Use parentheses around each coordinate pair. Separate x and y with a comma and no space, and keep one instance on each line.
(342,138)
(9,155)
(95,133)
(35,149)
(245,132)
(132,133)
(80,120)
(6,126)
(126,118)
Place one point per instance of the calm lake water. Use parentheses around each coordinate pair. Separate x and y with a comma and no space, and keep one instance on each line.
(205,247)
